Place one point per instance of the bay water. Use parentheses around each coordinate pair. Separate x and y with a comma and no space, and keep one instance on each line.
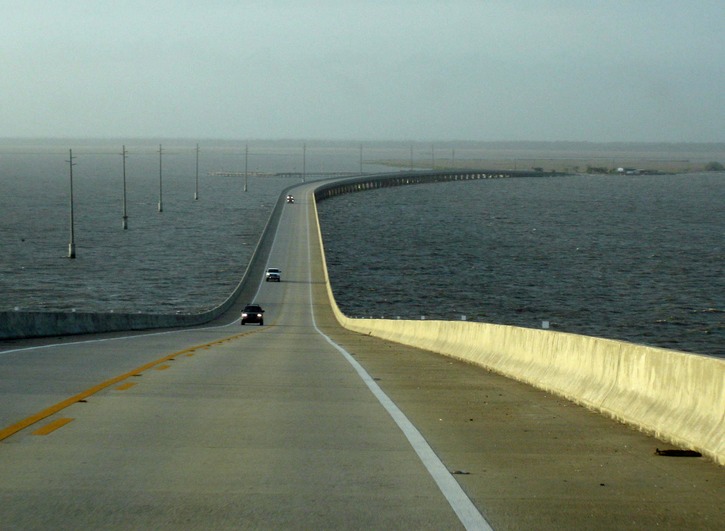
(638,258)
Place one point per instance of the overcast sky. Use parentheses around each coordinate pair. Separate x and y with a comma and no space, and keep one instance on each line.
(587,70)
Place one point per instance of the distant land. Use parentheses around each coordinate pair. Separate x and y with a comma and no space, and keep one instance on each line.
(573,157)
(565,156)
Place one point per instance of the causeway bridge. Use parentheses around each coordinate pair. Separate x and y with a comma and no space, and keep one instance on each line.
(293,174)
(316,420)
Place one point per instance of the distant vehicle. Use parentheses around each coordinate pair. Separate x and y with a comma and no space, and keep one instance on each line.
(252,313)
(273,275)
(290,199)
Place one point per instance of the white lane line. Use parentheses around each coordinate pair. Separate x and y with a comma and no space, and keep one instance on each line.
(134,336)
(71,343)
(269,257)
(117,338)
(461,504)
(186,330)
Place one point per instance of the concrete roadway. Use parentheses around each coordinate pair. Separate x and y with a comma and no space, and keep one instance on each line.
(296,424)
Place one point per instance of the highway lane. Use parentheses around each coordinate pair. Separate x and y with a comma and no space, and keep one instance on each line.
(217,427)
(273,427)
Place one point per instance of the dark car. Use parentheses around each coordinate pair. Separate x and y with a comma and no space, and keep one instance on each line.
(290,199)
(253,313)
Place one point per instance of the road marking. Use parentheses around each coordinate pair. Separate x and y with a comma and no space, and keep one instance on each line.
(118,338)
(162,367)
(266,265)
(52,426)
(37,417)
(461,504)
(139,335)
(127,385)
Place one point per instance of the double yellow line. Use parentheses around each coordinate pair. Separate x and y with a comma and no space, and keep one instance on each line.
(37,417)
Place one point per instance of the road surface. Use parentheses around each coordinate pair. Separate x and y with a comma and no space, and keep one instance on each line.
(299,424)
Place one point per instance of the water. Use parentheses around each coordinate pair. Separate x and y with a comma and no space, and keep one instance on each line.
(188,258)
(634,258)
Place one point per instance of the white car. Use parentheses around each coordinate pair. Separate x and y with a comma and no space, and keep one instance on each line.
(273,275)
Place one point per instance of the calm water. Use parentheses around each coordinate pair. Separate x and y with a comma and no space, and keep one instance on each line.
(634,258)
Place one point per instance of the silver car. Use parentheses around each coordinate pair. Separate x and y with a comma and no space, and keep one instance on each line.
(273,275)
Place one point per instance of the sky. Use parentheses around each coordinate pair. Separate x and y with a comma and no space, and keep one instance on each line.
(408,70)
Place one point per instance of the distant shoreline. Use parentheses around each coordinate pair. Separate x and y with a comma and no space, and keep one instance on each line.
(559,156)
(464,145)
(631,166)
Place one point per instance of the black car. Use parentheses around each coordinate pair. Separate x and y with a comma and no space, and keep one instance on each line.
(253,313)
(290,199)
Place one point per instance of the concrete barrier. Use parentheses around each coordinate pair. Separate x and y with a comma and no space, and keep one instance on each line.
(678,397)
(27,324)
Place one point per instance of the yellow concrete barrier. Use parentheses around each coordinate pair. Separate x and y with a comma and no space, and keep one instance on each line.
(678,397)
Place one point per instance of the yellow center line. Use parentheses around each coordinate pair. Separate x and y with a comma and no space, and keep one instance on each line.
(37,417)
(52,426)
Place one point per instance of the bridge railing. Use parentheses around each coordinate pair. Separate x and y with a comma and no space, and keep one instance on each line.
(385,180)
(28,324)
(676,396)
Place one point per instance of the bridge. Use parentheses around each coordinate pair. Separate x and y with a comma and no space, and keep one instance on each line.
(318,421)
(293,174)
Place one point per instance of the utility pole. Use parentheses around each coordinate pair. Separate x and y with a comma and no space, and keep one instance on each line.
(161,204)
(125,216)
(246,165)
(196,193)
(72,244)
(304,162)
